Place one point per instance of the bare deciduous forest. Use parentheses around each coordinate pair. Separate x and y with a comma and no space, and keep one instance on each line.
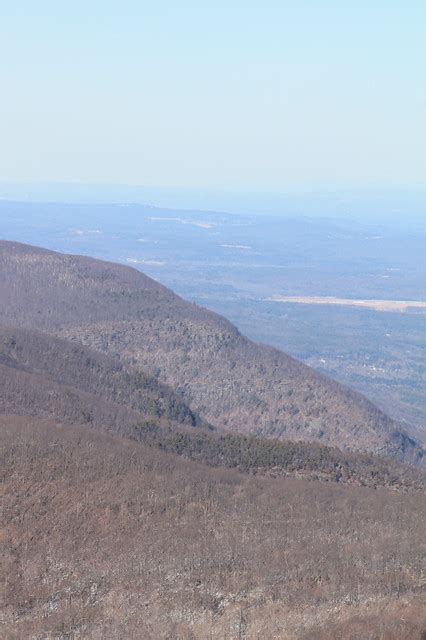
(103,538)
(148,492)
(231,382)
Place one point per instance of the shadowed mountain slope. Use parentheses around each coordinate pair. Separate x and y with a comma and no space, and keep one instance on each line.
(36,360)
(230,381)
(32,394)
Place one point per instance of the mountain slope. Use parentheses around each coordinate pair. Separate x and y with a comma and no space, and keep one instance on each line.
(26,351)
(47,377)
(230,381)
(103,538)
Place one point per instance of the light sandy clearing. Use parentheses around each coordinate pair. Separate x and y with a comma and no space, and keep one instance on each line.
(377,305)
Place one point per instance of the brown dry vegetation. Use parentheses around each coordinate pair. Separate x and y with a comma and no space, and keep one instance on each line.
(103,538)
(230,381)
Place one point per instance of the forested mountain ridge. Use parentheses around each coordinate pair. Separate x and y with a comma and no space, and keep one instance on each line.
(229,381)
(47,377)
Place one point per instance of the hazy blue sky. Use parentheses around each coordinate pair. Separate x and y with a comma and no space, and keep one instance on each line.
(235,94)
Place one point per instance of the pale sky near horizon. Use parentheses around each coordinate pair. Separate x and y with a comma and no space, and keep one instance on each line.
(234,94)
